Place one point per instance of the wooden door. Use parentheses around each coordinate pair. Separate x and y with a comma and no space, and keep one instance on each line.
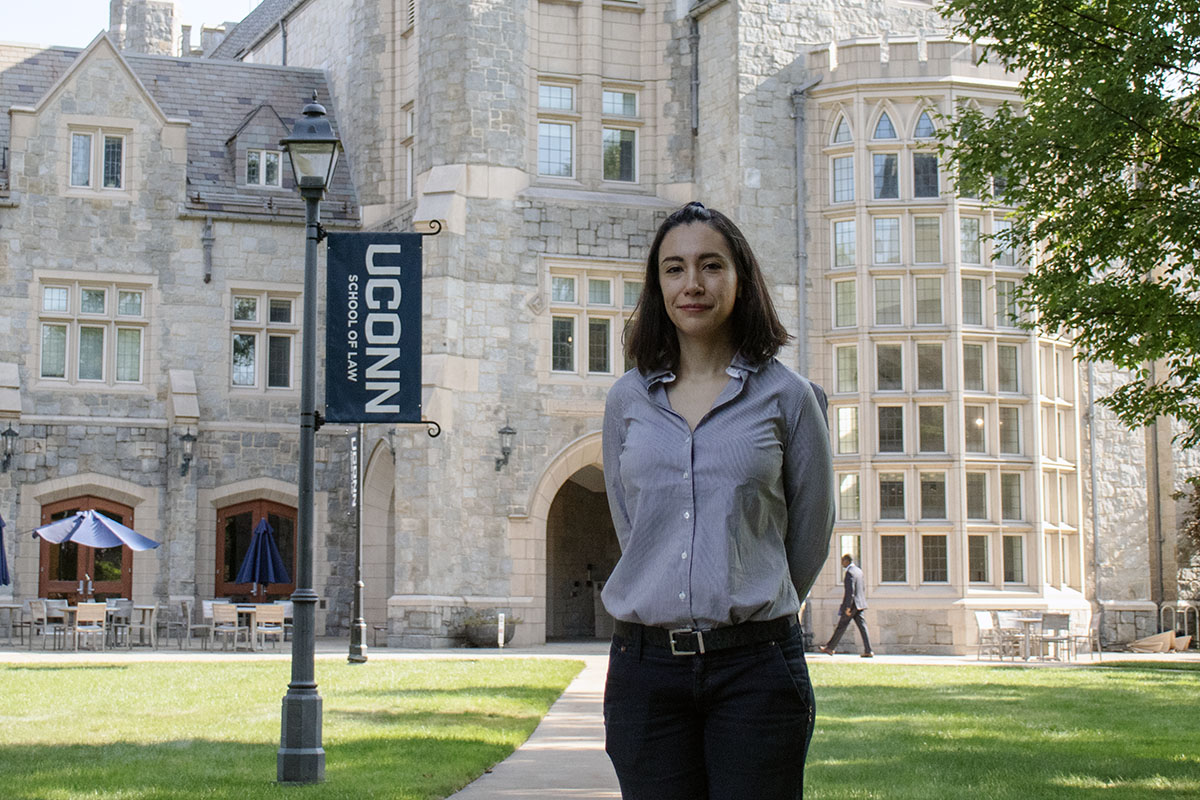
(77,572)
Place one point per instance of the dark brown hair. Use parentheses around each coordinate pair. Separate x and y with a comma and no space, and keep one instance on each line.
(650,338)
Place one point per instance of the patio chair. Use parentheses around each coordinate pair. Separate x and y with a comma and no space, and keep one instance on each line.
(23,623)
(287,618)
(991,639)
(120,614)
(1087,632)
(1054,635)
(1010,629)
(143,621)
(225,623)
(91,619)
(40,624)
(269,622)
(186,625)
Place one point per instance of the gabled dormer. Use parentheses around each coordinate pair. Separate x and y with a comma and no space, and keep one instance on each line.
(97,133)
(255,154)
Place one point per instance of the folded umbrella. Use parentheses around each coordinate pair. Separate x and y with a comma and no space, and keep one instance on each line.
(263,564)
(93,529)
(4,578)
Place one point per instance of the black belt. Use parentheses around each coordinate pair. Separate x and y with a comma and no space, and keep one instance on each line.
(690,642)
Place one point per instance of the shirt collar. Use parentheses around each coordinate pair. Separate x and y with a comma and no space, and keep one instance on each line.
(736,369)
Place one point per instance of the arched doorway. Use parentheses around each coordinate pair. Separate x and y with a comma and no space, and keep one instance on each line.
(378,535)
(581,551)
(235,530)
(75,572)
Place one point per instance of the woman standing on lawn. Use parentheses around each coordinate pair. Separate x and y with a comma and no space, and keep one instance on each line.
(720,483)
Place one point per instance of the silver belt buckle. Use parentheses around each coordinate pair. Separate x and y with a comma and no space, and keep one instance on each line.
(699,642)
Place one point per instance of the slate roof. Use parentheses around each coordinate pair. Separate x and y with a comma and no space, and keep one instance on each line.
(214,96)
(266,15)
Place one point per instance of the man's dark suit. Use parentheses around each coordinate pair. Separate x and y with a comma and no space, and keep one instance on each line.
(854,602)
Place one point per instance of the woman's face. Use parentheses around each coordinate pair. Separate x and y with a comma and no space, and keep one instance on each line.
(699,282)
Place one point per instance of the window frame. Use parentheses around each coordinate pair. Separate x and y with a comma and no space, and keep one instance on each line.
(97,167)
(72,321)
(891,481)
(582,311)
(894,428)
(841,244)
(841,299)
(265,331)
(885,176)
(880,319)
(849,487)
(263,154)
(841,181)
(893,245)
(930,569)
(925,156)
(893,554)
(918,254)
(635,170)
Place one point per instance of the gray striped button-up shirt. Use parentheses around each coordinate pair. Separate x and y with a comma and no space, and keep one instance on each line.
(725,524)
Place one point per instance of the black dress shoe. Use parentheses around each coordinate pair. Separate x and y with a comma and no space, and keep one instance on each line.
(868,655)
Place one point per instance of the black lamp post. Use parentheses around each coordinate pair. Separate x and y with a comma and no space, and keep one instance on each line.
(10,445)
(313,150)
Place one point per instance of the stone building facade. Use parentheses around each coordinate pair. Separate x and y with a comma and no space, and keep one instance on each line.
(151,254)
(549,138)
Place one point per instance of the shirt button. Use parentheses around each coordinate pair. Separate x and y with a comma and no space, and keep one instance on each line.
(683,595)
(686,473)
(687,515)
(683,554)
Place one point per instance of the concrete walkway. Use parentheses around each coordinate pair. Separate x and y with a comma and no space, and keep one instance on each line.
(564,757)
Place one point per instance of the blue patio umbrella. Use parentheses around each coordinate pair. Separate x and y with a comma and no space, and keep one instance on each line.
(4,579)
(263,564)
(93,529)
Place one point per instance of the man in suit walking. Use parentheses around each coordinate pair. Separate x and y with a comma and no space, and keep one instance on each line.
(854,603)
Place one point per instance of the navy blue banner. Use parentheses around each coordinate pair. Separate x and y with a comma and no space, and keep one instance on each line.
(373,328)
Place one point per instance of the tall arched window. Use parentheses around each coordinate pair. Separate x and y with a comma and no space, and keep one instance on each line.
(235,528)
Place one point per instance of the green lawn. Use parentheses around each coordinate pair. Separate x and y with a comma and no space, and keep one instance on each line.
(392,729)
(423,729)
(1123,731)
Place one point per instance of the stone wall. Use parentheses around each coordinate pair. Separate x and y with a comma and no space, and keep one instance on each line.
(351,40)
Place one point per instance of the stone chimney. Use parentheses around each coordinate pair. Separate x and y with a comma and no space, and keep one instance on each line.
(143,26)
(211,37)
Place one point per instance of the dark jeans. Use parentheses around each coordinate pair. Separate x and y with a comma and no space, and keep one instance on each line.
(730,725)
(844,622)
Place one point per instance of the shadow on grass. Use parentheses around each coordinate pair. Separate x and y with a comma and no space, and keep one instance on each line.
(63,667)
(1004,734)
(428,765)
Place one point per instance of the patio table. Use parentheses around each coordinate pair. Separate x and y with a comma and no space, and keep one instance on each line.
(1027,624)
(11,610)
(249,613)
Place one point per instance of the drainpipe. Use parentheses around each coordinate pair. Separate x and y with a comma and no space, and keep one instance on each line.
(694,43)
(206,240)
(1159,538)
(283,39)
(1095,502)
(799,96)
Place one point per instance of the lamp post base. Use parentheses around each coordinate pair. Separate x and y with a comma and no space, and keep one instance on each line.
(301,758)
(358,642)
